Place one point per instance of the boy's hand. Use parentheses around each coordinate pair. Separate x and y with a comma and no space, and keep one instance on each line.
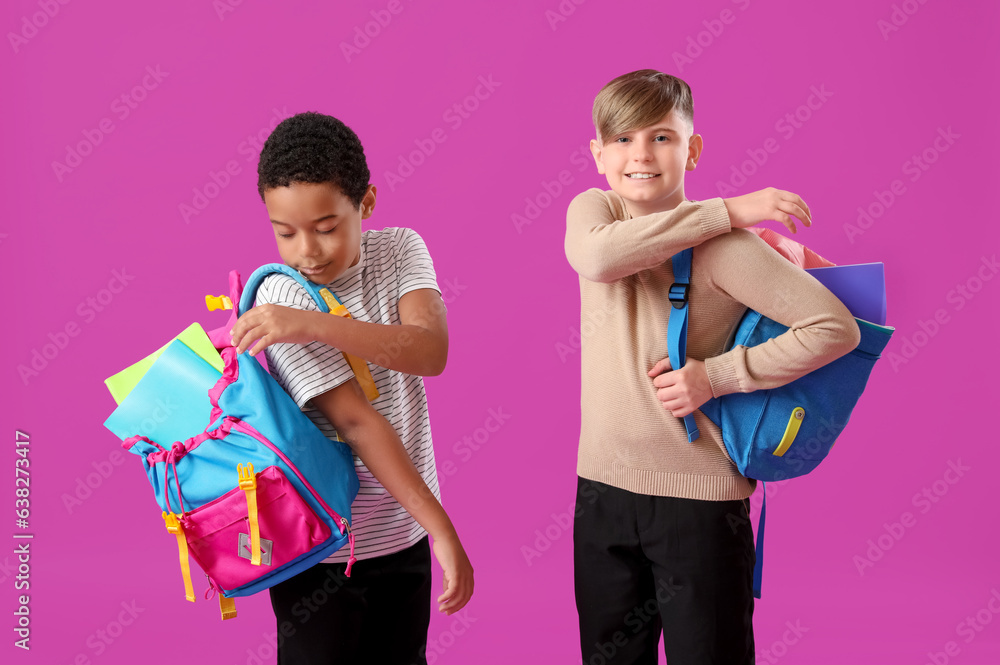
(458,582)
(770,203)
(684,390)
(270,324)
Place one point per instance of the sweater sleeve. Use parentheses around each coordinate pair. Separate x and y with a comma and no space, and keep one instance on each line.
(821,329)
(602,246)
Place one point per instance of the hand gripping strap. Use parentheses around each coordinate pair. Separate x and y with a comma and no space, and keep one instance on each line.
(326,300)
(677,323)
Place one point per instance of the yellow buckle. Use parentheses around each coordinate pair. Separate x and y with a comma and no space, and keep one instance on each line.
(174,527)
(218,302)
(248,483)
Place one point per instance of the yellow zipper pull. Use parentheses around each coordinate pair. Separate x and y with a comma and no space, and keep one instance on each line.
(791,430)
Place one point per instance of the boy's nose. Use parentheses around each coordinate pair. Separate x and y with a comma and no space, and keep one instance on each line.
(641,153)
(308,248)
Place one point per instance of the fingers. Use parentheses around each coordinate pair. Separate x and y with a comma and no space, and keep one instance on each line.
(261,344)
(446,598)
(792,204)
(243,341)
(660,367)
(456,595)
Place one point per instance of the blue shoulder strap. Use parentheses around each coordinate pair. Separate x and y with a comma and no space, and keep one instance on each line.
(258,275)
(677,323)
(677,350)
(758,569)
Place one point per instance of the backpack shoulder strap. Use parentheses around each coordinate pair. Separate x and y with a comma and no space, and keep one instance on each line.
(326,300)
(257,278)
(677,323)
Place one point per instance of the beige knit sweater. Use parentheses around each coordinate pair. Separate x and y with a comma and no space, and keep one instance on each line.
(627,439)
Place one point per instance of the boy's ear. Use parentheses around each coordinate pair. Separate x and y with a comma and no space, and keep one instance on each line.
(695,146)
(595,150)
(368,203)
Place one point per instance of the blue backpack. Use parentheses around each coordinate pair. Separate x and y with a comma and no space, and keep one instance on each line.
(261,494)
(759,428)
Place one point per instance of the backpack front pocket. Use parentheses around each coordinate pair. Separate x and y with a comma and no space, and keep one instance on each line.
(218,533)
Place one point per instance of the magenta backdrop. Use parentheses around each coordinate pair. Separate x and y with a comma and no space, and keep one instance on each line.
(130,145)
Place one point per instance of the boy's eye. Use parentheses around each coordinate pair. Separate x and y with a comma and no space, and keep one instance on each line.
(621,139)
(661,136)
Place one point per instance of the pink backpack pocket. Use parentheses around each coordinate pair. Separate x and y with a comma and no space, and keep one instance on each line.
(218,533)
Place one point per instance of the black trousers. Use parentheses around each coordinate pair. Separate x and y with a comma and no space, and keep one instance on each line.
(380,614)
(646,564)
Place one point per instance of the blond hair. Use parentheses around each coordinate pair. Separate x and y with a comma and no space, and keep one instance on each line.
(639,99)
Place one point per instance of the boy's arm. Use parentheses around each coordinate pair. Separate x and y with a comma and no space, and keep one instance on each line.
(418,345)
(603,248)
(821,328)
(373,439)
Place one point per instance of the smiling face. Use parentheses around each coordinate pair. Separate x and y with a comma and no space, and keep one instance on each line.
(646,166)
(317,228)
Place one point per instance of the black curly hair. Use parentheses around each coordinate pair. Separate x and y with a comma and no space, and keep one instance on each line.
(313,147)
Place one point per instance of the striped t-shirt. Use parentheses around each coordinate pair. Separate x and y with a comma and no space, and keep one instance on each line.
(394,261)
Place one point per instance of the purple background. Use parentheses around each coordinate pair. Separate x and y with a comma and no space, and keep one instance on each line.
(513,300)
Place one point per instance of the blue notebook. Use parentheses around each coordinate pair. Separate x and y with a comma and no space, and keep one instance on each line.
(170,403)
(860,287)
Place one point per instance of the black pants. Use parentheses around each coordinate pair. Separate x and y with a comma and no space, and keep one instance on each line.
(643,564)
(380,614)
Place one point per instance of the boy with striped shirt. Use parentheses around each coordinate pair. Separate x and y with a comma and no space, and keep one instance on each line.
(314,181)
